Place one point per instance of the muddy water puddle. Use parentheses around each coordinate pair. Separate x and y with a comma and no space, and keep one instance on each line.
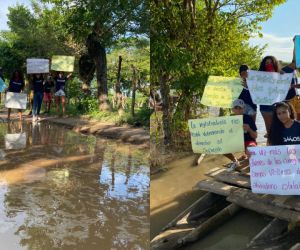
(63,190)
(172,192)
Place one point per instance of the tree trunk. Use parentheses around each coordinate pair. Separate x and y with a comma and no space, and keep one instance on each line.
(101,74)
(97,52)
(165,93)
(118,97)
(118,83)
(134,82)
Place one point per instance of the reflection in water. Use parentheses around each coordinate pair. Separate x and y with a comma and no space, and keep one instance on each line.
(68,191)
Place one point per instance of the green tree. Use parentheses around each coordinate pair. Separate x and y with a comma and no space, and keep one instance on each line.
(99,24)
(191,40)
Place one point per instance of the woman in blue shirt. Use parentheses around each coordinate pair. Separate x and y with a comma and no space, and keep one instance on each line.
(16,85)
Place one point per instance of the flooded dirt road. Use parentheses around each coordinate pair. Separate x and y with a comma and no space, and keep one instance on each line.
(63,190)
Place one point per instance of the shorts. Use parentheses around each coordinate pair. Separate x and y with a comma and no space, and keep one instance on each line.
(47,97)
(266,109)
(60,93)
(248,110)
(250,144)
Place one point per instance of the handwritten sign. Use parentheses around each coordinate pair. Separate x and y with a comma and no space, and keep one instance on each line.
(275,169)
(15,100)
(3,86)
(297,51)
(35,66)
(267,88)
(221,91)
(219,135)
(63,63)
(15,141)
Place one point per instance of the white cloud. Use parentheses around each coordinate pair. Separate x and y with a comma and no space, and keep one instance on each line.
(280,47)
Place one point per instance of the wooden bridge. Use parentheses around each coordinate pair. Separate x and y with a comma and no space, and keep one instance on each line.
(228,193)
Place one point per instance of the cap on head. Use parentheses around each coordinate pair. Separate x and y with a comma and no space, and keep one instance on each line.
(238,103)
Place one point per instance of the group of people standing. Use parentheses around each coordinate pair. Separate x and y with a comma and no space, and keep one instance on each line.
(41,88)
(281,119)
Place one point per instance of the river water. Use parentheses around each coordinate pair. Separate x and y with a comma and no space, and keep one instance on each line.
(63,190)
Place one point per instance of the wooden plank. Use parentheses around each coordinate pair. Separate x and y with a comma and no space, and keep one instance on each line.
(215,187)
(216,169)
(245,198)
(209,225)
(291,202)
(168,239)
(273,230)
(202,201)
(232,177)
(295,247)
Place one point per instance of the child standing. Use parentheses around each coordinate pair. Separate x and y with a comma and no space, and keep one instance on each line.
(250,133)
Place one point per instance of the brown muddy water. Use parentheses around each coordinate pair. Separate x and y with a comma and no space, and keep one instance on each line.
(172,192)
(63,190)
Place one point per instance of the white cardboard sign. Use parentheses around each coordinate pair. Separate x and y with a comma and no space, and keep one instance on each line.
(35,66)
(275,169)
(15,100)
(266,88)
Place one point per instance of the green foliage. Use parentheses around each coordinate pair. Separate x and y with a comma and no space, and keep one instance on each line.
(191,40)
(135,52)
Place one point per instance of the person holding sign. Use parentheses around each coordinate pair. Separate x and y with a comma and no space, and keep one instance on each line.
(250,133)
(268,64)
(49,84)
(285,130)
(60,95)
(292,97)
(38,92)
(250,107)
(16,85)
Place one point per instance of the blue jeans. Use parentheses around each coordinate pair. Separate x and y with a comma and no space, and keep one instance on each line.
(37,103)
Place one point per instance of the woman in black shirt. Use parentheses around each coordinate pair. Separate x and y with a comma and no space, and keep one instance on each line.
(285,130)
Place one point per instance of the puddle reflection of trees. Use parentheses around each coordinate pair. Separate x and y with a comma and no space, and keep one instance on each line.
(87,192)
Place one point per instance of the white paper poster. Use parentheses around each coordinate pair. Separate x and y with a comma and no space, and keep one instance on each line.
(266,88)
(15,100)
(275,169)
(35,66)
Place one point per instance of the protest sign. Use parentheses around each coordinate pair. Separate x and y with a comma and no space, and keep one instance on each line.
(266,88)
(218,135)
(297,50)
(275,169)
(15,141)
(15,100)
(37,66)
(2,85)
(63,63)
(221,91)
